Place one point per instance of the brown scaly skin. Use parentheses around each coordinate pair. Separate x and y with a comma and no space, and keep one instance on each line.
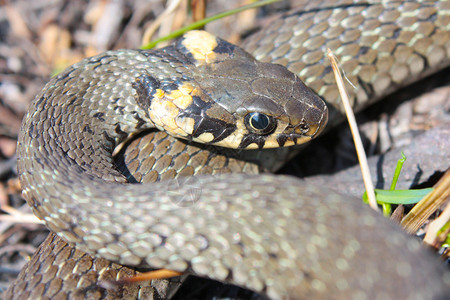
(336,256)
(65,272)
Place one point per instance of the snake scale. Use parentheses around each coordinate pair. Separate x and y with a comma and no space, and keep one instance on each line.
(271,234)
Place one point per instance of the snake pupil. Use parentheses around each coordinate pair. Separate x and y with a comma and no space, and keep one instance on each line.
(260,123)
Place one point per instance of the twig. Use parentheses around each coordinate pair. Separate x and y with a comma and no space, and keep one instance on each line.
(16,216)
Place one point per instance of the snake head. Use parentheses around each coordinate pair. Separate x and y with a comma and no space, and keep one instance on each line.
(283,111)
(236,101)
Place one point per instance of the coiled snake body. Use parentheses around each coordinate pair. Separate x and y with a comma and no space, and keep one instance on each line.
(271,234)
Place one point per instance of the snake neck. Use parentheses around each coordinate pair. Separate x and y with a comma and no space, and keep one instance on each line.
(73,117)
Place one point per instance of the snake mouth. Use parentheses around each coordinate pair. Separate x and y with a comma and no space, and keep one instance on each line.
(292,139)
(317,129)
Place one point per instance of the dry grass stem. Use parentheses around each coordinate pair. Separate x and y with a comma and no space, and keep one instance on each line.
(166,17)
(436,225)
(367,178)
(428,205)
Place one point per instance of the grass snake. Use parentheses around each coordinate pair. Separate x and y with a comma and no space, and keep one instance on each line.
(271,234)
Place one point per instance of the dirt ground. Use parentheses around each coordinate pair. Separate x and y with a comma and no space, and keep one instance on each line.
(39,38)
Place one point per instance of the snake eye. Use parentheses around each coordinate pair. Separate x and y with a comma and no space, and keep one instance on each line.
(260,123)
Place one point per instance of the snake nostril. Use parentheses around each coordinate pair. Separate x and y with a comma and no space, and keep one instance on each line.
(302,128)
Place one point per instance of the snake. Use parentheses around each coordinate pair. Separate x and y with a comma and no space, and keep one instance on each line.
(272,234)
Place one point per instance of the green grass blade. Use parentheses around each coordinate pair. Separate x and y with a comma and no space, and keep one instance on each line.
(397,171)
(205,21)
(399,196)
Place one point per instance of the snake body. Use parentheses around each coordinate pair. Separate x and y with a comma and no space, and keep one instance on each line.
(271,234)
